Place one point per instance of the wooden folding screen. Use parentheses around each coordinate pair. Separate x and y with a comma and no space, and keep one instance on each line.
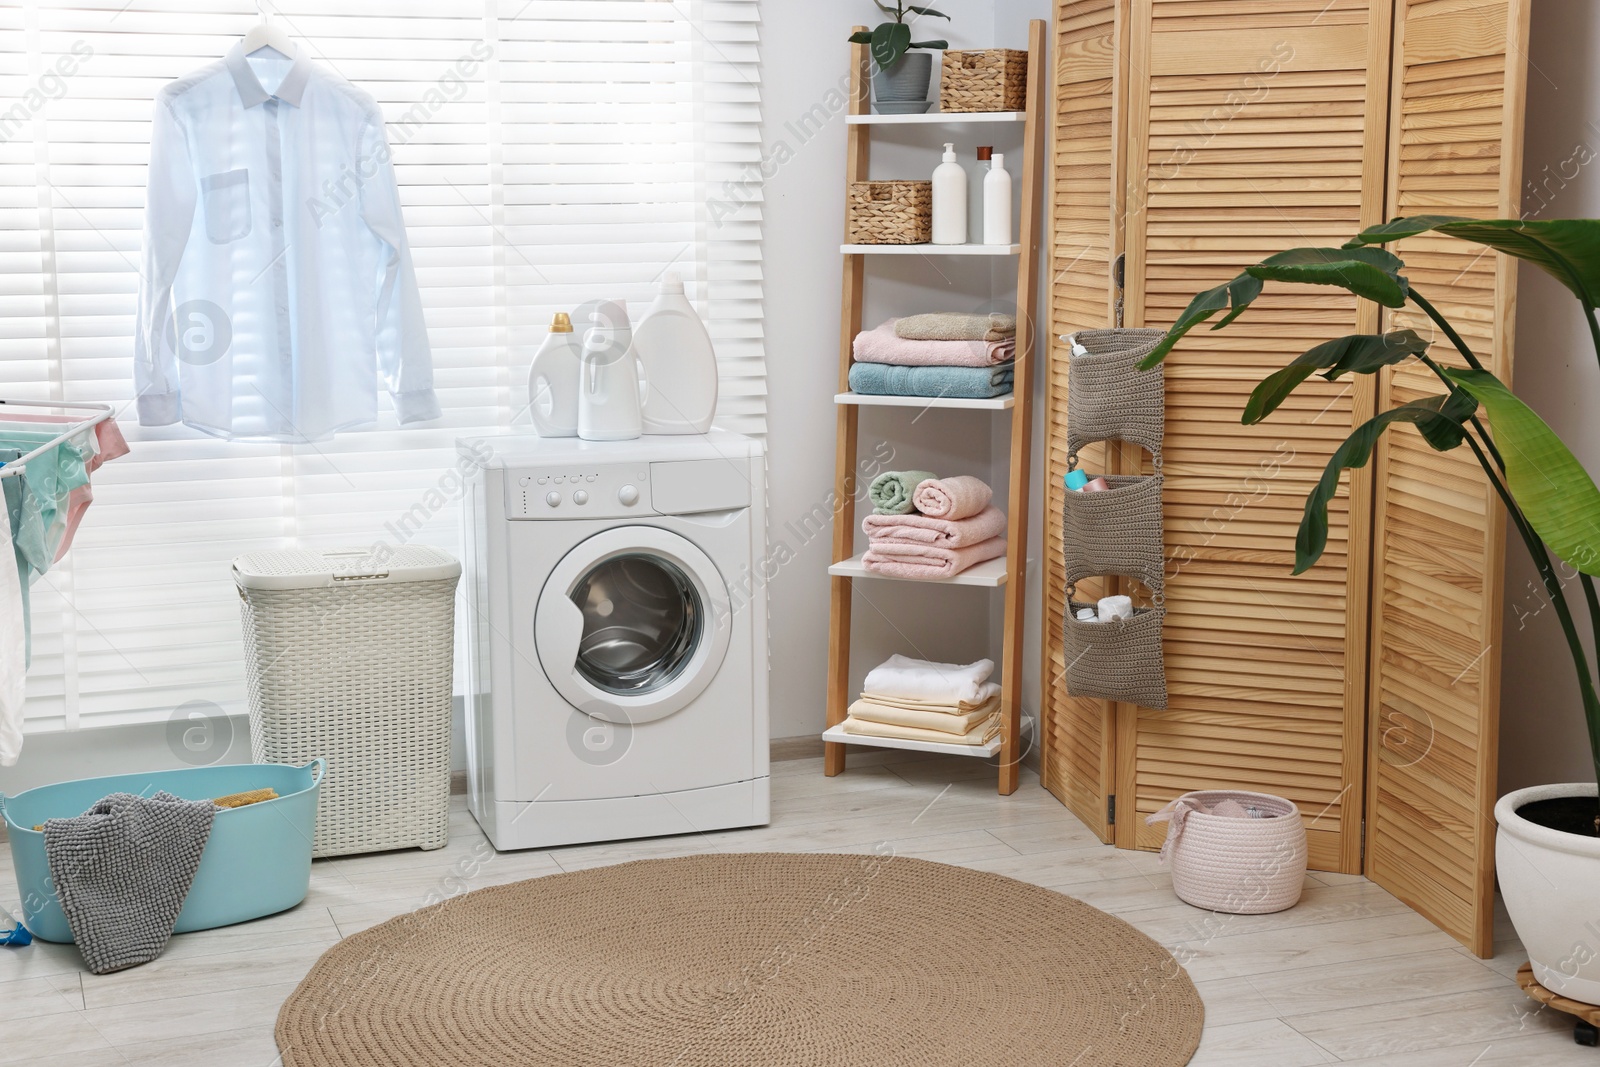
(1198,136)
(1455,148)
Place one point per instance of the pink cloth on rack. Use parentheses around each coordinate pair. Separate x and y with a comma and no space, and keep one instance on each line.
(899,559)
(109,445)
(952,498)
(923,530)
(883,345)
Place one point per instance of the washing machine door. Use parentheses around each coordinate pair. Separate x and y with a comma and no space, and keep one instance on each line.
(628,626)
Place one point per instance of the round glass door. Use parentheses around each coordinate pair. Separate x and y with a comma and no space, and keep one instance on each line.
(642,622)
(631,625)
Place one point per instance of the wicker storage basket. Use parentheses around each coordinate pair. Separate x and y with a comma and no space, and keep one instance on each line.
(1115,531)
(989,79)
(891,213)
(1120,660)
(349,658)
(1242,866)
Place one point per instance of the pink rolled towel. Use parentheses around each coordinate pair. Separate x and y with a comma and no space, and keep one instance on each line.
(923,530)
(899,559)
(883,345)
(952,498)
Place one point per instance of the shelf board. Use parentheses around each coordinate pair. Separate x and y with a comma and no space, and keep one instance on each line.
(990,573)
(837,735)
(931,250)
(997,403)
(930,117)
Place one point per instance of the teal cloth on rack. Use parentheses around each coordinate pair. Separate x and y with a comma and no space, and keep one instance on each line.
(36,506)
(968,383)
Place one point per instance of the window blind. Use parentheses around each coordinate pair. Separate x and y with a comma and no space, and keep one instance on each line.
(548,152)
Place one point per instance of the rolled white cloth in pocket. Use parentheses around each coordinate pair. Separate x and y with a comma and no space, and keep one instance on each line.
(1112,608)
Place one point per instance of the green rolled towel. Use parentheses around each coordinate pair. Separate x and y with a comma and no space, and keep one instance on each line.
(891,491)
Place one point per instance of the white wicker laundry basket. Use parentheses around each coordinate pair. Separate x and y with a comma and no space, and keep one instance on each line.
(349,658)
(1242,866)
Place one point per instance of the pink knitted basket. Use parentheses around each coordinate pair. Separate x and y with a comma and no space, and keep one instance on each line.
(1228,864)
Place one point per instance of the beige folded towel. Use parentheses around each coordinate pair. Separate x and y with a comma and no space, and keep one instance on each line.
(957,326)
(981,696)
(945,722)
(981,734)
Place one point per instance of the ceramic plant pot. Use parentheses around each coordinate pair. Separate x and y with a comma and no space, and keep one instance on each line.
(905,80)
(1548,878)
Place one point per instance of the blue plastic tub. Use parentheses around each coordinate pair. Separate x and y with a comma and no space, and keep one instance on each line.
(257,860)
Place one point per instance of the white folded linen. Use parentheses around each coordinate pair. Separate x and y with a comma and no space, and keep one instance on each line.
(920,679)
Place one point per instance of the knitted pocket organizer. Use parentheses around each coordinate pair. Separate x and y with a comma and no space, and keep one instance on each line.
(1115,531)
(1119,660)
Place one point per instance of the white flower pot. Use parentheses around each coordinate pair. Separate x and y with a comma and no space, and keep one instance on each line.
(1551,884)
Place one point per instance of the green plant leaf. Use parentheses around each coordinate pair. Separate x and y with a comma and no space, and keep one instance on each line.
(929,12)
(931,44)
(863,37)
(887,10)
(1544,478)
(1437,418)
(1361,353)
(889,43)
(1236,295)
(1370,272)
(1566,249)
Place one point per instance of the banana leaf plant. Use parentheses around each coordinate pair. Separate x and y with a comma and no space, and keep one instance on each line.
(891,40)
(1552,501)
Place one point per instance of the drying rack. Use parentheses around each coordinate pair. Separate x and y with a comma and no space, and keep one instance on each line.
(102,412)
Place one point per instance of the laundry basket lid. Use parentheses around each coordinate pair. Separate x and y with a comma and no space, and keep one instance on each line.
(299,568)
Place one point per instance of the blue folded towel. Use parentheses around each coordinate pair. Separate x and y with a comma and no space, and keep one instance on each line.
(972,383)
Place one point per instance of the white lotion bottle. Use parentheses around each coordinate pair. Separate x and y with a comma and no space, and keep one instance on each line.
(679,362)
(949,200)
(553,381)
(997,203)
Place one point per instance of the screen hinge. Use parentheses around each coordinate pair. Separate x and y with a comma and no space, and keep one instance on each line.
(1118,276)
(1111,810)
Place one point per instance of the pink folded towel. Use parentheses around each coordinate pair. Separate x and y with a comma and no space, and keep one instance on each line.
(883,345)
(947,533)
(952,498)
(898,559)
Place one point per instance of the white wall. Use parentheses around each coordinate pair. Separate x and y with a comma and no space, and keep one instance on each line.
(803,58)
(1542,738)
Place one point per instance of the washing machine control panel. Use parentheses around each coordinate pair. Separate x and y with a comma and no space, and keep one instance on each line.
(573,491)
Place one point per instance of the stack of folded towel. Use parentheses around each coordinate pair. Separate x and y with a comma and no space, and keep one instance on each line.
(918,700)
(945,354)
(927,527)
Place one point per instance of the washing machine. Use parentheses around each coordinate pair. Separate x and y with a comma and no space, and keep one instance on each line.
(618,635)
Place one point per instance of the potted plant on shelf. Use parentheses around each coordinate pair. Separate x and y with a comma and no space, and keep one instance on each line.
(1548,849)
(900,76)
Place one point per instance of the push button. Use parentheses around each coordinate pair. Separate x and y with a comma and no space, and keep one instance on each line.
(628,496)
(580,497)
(553,499)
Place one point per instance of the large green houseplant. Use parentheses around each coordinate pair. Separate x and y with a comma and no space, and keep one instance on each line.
(1548,850)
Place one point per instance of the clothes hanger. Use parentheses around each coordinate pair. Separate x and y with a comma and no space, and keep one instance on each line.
(266,34)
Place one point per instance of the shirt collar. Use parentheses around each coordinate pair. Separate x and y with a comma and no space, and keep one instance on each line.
(250,91)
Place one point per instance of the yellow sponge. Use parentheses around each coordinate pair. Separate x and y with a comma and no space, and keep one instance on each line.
(239,800)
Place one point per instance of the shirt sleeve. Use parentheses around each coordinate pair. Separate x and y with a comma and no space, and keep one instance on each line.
(404,360)
(168,214)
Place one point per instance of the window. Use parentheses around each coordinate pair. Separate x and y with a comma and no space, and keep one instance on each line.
(548,152)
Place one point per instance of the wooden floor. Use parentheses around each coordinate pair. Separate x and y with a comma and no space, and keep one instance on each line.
(1348,976)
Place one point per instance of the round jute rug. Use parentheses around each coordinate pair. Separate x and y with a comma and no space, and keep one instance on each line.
(751,960)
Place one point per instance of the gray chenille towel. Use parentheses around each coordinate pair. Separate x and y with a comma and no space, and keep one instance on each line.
(122,870)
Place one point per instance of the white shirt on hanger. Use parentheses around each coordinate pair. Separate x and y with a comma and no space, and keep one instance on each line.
(277,282)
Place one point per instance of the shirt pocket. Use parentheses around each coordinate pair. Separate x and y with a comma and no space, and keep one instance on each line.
(227,204)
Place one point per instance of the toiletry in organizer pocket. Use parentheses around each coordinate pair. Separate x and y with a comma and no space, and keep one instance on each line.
(1111,525)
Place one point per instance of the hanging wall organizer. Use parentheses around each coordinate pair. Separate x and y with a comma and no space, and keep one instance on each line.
(1115,531)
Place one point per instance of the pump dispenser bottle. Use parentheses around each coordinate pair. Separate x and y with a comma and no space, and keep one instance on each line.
(949,200)
(997,203)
